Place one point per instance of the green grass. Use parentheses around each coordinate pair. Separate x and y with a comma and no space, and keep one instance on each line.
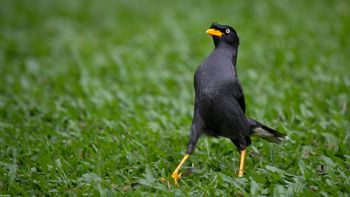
(96,97)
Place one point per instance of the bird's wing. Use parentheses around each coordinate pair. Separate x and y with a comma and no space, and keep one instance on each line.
(237,91)
(240,99)
(238,94)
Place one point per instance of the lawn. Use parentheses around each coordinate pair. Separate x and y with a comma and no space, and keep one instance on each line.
(96,97)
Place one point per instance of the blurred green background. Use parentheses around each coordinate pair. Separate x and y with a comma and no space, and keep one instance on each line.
(96,97)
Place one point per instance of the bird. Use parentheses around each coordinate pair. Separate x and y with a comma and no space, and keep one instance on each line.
(219,107)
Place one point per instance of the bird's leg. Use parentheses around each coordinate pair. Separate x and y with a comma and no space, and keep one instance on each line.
(176,176)
(241,165)
(195,133)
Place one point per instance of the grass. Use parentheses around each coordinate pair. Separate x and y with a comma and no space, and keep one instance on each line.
(96,97)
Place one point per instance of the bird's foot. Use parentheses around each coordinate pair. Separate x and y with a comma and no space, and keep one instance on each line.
(240,173)
(241,165)
(176,176)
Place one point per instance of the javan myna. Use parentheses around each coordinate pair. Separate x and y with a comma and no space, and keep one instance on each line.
(219,108)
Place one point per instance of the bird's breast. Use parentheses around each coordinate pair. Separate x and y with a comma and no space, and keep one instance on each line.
(214,84)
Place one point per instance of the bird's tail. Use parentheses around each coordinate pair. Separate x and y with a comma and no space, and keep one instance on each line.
(266,132)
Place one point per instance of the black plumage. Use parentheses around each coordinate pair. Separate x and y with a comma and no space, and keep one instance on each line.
(219,108)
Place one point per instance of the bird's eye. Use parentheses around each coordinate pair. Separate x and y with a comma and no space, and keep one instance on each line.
(227,31)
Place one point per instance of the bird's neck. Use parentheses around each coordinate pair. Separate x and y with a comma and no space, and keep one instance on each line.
(228,51)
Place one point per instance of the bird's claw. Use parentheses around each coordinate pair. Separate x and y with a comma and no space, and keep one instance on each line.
(176,176)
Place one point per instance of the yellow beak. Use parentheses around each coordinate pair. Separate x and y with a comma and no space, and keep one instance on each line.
(214,32)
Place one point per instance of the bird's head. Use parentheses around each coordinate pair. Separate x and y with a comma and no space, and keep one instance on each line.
(223,33)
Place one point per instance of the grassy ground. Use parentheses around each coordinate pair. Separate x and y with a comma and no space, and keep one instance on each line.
(96,97)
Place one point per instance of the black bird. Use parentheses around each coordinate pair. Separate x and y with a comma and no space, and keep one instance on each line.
(219,108)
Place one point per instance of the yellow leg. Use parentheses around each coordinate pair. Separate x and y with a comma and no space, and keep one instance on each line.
(241,165)
(176,176)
